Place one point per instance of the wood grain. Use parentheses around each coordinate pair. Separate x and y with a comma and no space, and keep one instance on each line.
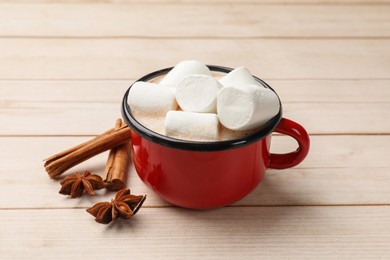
(339,170)
(173,233)
(42,107)
(92,118)
(188,21)
(111,91)
(127,59)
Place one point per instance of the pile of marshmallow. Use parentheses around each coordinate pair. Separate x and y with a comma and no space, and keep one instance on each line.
(237,101)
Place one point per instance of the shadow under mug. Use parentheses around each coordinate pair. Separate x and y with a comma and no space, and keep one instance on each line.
(204,175)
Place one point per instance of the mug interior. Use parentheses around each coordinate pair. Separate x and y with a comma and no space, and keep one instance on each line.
(147,133)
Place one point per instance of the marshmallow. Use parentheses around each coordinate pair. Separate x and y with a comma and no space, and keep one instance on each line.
(192,126)
(239,76)
(151,99)
(198,93)
(245,107)
(183,69)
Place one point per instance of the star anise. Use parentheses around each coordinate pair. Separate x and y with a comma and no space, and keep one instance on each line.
(124,205)
(75,184)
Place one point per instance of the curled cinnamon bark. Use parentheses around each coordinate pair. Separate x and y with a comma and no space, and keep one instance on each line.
(115,173)
(59,163)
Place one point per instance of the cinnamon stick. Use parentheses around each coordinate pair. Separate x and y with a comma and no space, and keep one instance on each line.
(115,172)
(59,163)
(70,150)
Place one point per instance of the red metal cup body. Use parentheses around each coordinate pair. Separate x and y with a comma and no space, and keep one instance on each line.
(200,179)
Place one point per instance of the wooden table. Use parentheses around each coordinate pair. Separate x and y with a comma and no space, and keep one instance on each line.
(64,67)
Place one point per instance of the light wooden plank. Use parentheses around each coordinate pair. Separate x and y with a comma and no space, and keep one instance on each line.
(129,59)
(110,91)
(182,21)
(37,118)
(304,91)
(337,171)
(328,91)
(327,186)
(173,233)
(336,118)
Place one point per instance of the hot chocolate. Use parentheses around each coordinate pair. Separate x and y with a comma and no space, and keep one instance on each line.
(156,123)
(192,103)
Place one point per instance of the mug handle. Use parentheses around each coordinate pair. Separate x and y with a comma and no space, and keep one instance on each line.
(296,131)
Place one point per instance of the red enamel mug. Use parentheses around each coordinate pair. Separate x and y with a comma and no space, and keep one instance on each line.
(205,175)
